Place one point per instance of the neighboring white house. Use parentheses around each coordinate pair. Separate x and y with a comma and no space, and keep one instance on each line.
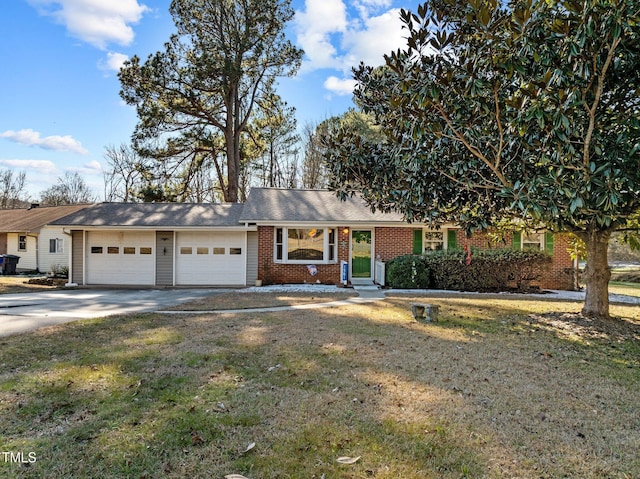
(26,233)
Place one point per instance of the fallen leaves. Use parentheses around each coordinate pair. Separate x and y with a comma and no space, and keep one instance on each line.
(348,460)
(249,447)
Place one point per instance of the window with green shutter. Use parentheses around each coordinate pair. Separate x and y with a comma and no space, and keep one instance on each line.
(548,242)
(417,241)
(516,243)
(452,239)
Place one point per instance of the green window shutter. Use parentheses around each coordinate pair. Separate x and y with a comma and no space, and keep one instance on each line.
(548,242)
(417,241)
(452,239)
(517,241)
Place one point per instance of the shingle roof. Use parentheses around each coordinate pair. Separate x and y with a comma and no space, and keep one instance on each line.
(32,219)
(283,205)
(156,215)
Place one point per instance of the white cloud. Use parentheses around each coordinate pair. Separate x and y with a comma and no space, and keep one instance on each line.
(379,35)
(92,168)
(315,27)
(367,7)
(339,38)
(98,22)
(55,142)
(42,167)
(340,87)
(114,61)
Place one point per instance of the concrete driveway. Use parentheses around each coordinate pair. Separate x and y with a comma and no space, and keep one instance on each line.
(28,311)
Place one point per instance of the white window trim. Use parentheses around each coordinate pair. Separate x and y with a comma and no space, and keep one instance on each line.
(285,246)
(26,242)
(59,245)
(541,240)
(445,243)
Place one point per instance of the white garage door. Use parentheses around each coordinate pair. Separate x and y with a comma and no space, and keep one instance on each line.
(120,258)
(217,258)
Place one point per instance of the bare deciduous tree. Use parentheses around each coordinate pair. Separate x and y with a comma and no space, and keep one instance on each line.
(123,174)
(71,189)
(12,189)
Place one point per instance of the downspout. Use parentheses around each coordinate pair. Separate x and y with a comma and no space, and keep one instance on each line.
(70,283)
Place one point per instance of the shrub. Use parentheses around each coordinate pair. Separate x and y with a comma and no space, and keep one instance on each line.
(407,272)
(489,270)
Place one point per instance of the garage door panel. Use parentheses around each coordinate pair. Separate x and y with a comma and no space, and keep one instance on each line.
(217,258)
(120,258)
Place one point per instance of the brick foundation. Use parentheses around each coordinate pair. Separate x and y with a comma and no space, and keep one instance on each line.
(557,275)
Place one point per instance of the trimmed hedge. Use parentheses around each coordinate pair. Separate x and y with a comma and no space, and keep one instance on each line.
(407,272)
(489,270)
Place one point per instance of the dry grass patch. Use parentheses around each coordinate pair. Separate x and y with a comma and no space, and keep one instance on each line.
(19,284)
(248,300)
(498,388)
(628,288)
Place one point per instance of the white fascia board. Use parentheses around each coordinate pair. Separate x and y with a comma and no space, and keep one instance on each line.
(163,228)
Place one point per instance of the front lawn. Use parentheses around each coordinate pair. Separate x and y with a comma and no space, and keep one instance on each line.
(621,287)
(499,388)
(249,300)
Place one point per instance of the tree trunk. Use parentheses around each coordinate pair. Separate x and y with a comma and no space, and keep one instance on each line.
(232,149)
(597,273)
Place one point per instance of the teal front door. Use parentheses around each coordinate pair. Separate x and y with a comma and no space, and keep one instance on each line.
(361,253)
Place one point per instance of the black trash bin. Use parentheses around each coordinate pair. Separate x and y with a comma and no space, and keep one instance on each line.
(9,262)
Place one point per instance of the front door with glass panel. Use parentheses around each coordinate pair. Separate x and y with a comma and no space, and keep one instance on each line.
(361,254)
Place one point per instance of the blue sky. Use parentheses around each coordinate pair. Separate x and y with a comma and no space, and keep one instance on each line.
(59,101)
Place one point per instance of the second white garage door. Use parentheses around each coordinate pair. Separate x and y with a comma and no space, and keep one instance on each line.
(217,258)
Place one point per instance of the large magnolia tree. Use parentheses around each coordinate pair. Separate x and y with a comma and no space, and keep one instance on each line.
(526,109)
(206,82)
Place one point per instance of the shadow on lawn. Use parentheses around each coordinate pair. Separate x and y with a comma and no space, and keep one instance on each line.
(166,396)
(150,396)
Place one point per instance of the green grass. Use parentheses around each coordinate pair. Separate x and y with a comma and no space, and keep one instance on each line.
(620,287)
(497,388)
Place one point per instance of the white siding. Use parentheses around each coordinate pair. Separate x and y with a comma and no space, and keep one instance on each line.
(109,261)
(206,259)
(47,260)
(28,259)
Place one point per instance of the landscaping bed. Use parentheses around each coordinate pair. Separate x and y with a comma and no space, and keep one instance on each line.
(21,284)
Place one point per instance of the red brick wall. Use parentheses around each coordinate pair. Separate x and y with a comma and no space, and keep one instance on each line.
(390,242)
(271,272)
(558,275)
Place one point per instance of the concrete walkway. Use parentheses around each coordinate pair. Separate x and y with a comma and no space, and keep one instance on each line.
(366,294)
(28,311)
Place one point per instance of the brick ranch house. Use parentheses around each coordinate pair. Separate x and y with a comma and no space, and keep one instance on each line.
(304,235)
(277,236)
